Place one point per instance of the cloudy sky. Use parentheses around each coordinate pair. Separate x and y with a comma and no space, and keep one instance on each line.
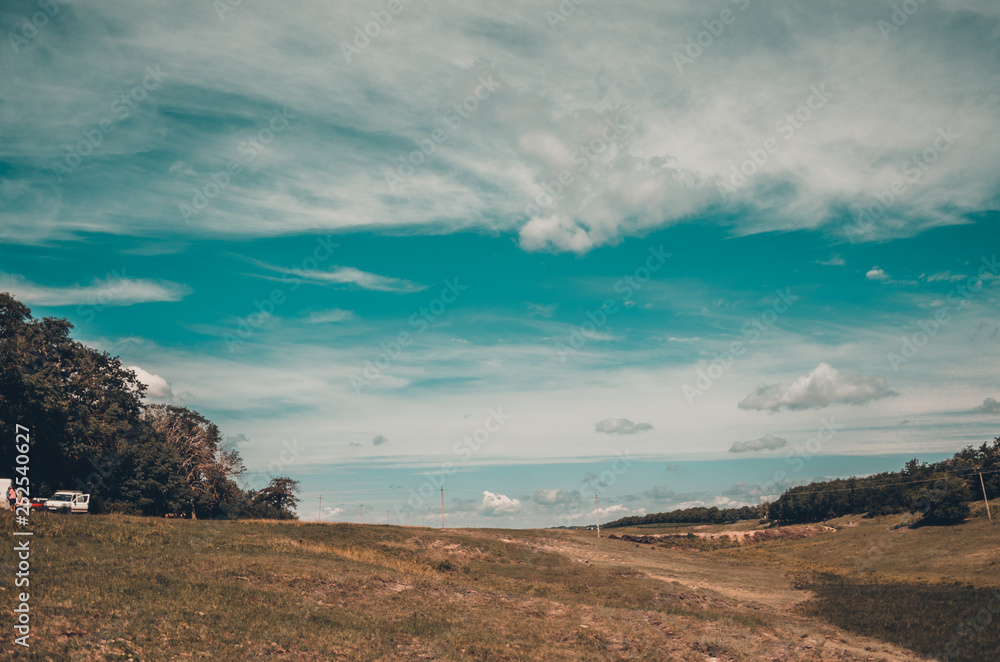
(390,246)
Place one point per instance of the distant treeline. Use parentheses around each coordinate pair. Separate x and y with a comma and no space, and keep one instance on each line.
(940,492)
(81,414)
(698,515)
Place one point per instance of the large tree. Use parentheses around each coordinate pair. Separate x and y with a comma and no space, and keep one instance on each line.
(80,404)
(206,466)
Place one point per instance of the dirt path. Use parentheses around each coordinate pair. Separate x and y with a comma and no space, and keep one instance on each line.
(758,588)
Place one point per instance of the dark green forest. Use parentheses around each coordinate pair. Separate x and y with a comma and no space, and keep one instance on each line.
(939,492)
(90,429)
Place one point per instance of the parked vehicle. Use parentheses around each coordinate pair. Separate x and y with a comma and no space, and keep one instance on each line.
(38,504)
(68,501)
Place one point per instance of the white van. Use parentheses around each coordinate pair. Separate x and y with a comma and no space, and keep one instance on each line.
(68,501)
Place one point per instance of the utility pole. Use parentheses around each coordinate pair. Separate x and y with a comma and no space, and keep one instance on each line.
(983,485)
(361,517)
(442,506)
(597,504)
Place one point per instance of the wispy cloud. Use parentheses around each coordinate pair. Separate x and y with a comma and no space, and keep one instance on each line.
(330,316)
(823,387)
(621,426)
(350,276)
(109,291)
(765,443)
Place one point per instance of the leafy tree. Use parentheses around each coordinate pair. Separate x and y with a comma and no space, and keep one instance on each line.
(79,403)
(147,479)
(277,500)
(946,501)
(205,465)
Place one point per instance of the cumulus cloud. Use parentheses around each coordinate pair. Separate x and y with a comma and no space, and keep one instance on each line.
(158,389)
(621,426)
(332,512)
(378,440)
(113,290)
(989,406)
(823,387)
(765,443)
(498,504)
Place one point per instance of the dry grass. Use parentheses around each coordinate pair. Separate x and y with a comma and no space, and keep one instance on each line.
(120,588)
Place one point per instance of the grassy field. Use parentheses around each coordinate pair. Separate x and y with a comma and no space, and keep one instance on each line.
(121,588)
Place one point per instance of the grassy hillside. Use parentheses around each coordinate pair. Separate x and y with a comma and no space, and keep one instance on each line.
(120,588)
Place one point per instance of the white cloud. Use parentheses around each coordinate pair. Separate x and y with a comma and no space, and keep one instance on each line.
(822,387)
(332,512)
(621,426)
(102,292)
(765,443)
(945,276)
(158,389)
(351,276)
(835,261)
(328,316)
(498,504)
(690,127)
(378,440)
(875,273)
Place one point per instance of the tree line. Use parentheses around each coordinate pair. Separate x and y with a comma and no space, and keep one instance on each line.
(940,492)
(91,430)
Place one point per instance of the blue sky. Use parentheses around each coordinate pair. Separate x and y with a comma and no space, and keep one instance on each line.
(523,242)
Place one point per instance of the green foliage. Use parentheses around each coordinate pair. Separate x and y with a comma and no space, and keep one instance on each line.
(276,501)
(79,403)
(89,430)
(941,491)
(946,501)
(698,515)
